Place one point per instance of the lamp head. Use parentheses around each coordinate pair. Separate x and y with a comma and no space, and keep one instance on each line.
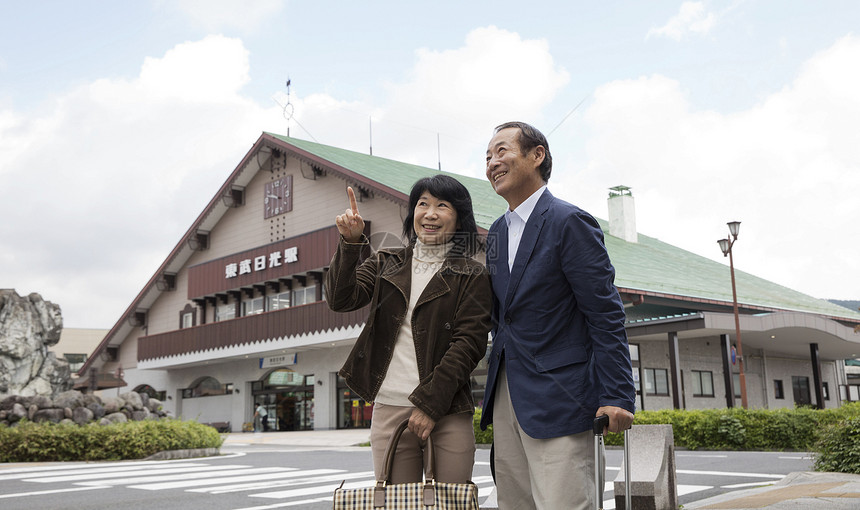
(725,246)
(734,226)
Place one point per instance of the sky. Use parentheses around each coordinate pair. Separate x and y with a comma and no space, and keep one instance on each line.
(120,120)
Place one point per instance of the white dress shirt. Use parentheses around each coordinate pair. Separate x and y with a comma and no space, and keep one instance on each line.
(516,221)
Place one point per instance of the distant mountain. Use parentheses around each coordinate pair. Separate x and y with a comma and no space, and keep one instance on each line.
(852,304)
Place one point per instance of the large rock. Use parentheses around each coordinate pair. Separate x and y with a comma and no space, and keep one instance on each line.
(140,415)
(52,415)
(71,398)
(28,327)
(116,418)
(154,405)
(112,404)
(17,412)
(97,409)
(71,407)
(133,400)
(82,415)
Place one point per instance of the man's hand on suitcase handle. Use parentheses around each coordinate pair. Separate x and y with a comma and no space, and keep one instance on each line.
(620,419)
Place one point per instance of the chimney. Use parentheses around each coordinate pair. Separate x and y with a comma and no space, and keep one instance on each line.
(622,214)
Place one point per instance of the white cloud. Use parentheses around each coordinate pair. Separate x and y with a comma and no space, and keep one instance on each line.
(786,168)
(193,71)
(106,182)
(97,191)
(692,18)
(215,15)
(460,94)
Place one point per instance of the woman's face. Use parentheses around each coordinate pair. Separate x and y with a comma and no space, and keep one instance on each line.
(435,219)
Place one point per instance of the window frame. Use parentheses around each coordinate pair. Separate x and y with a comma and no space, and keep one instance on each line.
(651,377)
(697,378)
(778,389)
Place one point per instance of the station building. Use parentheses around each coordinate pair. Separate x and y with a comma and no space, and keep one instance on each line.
(236,316)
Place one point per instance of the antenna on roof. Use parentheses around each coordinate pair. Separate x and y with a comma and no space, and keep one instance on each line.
(438,152)
(370,127)
(288,108)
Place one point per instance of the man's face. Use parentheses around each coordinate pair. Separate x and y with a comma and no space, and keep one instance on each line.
(513,173)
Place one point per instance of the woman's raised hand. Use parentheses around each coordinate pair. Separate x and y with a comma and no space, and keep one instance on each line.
(349,224)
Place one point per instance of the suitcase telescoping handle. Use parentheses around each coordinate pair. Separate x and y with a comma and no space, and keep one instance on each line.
(600,423)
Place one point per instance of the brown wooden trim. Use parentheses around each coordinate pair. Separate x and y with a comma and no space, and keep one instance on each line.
(315,250)
(310,318)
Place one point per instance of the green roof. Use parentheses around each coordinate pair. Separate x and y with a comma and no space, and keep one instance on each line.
(649,265)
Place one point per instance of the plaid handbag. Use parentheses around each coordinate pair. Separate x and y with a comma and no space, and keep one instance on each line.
(408,496)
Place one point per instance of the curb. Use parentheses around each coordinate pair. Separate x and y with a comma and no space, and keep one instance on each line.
(184,454)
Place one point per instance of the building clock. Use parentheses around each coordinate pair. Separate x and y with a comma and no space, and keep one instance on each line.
(278,197)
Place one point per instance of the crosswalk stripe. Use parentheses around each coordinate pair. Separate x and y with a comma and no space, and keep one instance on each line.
(687,489)
(76,470)
(308,491)
(277,483)
(727,473)
(54,491)
(195,477)
(216,481)
(284,505)
(141,472)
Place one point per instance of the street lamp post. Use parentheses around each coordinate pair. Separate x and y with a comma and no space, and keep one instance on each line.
(726,246)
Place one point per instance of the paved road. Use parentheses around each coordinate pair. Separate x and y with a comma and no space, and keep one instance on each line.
(258,477)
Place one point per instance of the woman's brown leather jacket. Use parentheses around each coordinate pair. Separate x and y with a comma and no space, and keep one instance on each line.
(450,323)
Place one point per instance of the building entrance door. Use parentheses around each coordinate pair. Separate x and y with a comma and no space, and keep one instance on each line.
(289,399)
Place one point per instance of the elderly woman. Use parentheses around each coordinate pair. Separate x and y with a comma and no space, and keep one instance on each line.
(427,329)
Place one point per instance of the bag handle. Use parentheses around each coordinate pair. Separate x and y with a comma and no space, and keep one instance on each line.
(429,478)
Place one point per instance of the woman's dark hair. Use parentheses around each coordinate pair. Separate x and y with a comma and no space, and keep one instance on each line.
(465,240)
(530,137)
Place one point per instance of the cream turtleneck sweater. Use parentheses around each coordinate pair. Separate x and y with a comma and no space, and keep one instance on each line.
(402,376)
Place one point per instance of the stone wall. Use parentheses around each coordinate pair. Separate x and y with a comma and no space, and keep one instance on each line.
(76,407)
(28,327)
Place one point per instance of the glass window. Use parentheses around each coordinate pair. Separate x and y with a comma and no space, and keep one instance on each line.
(252,306)
(304,295)
(703,383)
(187,319)
(853,393)
(800,387)
(76,361)
(656,381)
(353,412)
(826,390)
(778,392)
(207,386)
(279,301)
(225,312)
(634,352)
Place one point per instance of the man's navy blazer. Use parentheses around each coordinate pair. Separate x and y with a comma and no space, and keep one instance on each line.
(558,323)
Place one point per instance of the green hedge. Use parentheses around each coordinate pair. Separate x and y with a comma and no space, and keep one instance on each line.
(839,447)
(48,442)
(737,428)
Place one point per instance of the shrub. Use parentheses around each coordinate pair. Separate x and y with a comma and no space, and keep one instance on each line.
(736,429)
(481,436)
(839,447)
(44,442)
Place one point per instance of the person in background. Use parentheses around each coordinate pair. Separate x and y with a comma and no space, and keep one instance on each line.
(263,416)
(427,329)
(560,355)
